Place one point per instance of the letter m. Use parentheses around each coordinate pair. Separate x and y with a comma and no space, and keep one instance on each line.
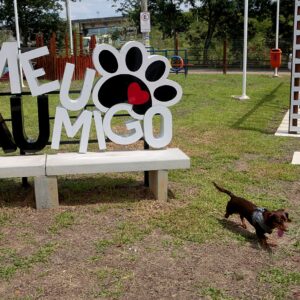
(62,118)
(9,54)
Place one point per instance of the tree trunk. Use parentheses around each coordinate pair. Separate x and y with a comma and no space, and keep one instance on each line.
(207,45)
(176,46)
(208,38)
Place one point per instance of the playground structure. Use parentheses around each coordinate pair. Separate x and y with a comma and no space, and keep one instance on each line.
(179,65)
(178,59)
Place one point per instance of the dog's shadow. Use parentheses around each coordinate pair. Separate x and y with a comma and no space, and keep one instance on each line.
(237,229)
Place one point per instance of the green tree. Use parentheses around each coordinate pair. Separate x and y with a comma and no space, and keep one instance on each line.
(216,16)
(224,19)
(34,16)
(165,14)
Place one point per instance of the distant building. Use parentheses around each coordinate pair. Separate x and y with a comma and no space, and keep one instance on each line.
(105,27)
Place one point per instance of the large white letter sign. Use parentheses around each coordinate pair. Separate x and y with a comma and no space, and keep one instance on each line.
(131,81)
(165,135)
(32,74)
(84,120)
(134,126)
(99,130)
(9,53)
(82,100)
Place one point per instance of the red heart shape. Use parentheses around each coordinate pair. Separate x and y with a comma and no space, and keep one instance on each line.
(136,95)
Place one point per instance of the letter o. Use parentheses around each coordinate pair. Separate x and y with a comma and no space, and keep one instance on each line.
(165,135)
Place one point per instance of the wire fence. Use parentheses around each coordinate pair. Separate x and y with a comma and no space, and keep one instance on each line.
(230,55)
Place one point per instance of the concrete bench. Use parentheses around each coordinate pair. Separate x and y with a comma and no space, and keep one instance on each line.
(30,166)
(46,168)
(296,158)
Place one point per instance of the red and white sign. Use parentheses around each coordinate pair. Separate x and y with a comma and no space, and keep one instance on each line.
(145,21)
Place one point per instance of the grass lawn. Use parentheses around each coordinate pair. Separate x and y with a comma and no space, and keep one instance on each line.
(110,239)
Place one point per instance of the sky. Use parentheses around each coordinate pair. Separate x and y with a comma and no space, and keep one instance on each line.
(87,9)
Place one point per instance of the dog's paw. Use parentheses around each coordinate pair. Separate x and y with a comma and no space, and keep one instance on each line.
(132,76)
(272,244)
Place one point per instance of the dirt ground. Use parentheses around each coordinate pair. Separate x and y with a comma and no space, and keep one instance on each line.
(94,257)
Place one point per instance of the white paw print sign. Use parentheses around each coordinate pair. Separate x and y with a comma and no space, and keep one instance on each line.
(132,76)
(132,81)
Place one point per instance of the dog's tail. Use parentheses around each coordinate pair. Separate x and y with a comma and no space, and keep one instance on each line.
(223,190)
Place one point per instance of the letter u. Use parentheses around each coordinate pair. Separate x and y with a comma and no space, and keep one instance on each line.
(6,140)
(23,142)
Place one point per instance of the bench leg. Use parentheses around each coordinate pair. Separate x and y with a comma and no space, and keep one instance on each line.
(46,192)
(158,184)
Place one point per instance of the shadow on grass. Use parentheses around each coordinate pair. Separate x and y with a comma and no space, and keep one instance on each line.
(13,194)
(239,123)
(238,230)
(80,191)
(101,190)
(104,190)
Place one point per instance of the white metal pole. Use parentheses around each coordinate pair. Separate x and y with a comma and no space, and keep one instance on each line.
(18,38)
(244,95)
(277,34)
(146,38)
(68,11)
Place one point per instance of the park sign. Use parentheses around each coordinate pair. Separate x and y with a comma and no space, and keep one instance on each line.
(145,21)
(131,81)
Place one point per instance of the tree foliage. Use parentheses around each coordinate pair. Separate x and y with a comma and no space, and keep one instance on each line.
(211,19)
(166,15)
(34,16)
(286,25)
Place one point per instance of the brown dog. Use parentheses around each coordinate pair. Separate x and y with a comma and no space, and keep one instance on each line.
(261,219)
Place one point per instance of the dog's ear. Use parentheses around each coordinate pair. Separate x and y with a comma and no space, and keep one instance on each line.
(286,214)
(287,217)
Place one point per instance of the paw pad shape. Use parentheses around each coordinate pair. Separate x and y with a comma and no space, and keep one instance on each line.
(133,76)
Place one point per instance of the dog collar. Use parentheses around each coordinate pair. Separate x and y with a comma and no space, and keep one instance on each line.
(258,218)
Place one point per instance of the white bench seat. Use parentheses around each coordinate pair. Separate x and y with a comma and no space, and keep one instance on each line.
(46,168)
(116,161)
(22,166)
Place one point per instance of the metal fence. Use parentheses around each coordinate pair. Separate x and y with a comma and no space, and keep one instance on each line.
(229,55)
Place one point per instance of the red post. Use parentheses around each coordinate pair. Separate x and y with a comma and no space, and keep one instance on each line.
(53,60)
(75,54)
(81,44)
(37,40)
(92,43)
(41,40)
(67,45)
(53,44)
